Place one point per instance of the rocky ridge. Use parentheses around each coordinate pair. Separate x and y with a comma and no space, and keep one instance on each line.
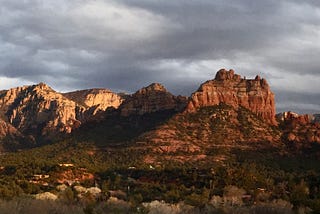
(231,89)
(302,130)
(150,99)
(100,99)
(38,109)
(95,102)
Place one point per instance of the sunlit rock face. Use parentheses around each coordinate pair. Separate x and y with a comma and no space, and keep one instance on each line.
(39,109)
(230,88)
(99,98)
(95,102)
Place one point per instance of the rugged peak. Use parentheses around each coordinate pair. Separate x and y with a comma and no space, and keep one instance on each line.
(153,87)
(38,109)
(231,89)
(152,98)
(42,86)
(96,97)
(223,74)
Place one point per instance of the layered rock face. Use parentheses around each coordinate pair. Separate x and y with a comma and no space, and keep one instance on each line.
(38,110)
(231,89)
(99,98)
(150,99)
(32,114)
(95,102)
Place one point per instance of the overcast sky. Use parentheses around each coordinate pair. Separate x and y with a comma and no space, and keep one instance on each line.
(126,44)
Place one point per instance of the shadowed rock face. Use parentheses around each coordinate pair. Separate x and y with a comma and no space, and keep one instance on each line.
(150,99)
(11,139)
(231,89)
(7,129)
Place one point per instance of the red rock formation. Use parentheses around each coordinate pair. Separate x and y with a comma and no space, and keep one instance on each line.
(294,118)
(101,99)
(231,89)
(150,99)
(7,129)
(38,109)
(95,101)
(301,129)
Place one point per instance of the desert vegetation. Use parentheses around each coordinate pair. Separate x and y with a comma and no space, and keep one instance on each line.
(249,182)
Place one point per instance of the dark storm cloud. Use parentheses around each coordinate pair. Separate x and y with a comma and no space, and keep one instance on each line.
(299,102)
(126,44)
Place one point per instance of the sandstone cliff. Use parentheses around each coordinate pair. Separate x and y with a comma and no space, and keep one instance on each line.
(38,110)
(95,102)
(99,98)
(150,99)
(231,89)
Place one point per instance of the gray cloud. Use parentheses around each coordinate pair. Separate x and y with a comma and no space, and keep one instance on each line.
(126,44)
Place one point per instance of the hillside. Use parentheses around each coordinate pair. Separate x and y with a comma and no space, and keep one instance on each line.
(196,162)
(208,133)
